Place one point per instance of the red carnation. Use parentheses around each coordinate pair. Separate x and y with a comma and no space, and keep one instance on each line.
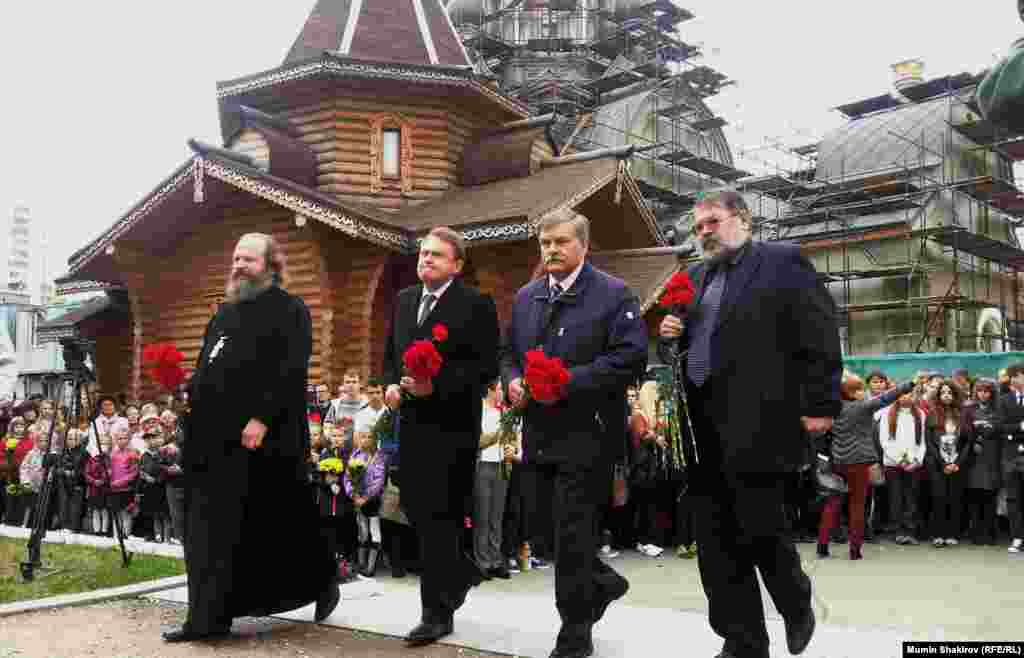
(546,377)
(679,291)
(440,333)
(422,360)
(162,362)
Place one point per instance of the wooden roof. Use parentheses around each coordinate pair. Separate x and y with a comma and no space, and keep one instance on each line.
(522,198)
(646,271)
(415,32)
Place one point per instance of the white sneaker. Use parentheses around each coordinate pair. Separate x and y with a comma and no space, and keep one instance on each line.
(654,551)
(607,552)
(1016,546)
(952,542)
(938,542)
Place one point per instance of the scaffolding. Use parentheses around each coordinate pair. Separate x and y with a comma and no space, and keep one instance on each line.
(940,200)
(577,58)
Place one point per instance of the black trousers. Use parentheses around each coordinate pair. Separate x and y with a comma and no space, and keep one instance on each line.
(578,492)
(981,509)
(947,504)
(445,571)
(71,502)
(741,531)
(1015,502)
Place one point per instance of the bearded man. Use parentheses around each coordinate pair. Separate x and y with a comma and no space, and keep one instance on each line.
(760,308)
(246,458)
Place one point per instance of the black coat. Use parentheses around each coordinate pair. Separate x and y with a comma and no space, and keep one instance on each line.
(598,331)
(258,371)
(775,357)
(1009,417)
(441,433)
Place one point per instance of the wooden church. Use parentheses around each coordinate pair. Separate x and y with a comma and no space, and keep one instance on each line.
(373,130)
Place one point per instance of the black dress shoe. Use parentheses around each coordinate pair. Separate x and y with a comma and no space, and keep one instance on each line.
(583,652)
(798,634)
(327,602)
(185,635)
(499,572)
(428,633)
(605,595)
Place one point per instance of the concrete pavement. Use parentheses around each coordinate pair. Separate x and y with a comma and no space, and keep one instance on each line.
(865,608)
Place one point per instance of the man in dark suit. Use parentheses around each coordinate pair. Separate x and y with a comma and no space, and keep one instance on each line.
(592,322)
(440,420)
(1010,415)
(762,371)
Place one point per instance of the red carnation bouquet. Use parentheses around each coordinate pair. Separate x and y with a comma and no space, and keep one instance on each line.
(544,379)
(679,292)
(421,359)
(162,362)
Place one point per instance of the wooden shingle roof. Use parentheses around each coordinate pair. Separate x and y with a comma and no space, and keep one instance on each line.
(417,32)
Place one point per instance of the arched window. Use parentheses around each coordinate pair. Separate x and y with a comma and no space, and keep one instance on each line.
(390,151)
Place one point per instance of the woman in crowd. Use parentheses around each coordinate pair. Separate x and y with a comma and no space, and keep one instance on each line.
(984,463)
(649,453)
(491,489)
(32,472)
(854,453)
(948,449)
(901,436)
(72,480)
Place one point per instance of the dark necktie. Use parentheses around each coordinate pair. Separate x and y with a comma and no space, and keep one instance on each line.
(698,361)
(426,304)
(556,292)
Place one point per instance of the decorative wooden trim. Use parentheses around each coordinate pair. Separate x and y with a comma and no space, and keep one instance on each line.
(75,287)
(394,239)
(378,124)
(343,67)
(135,304)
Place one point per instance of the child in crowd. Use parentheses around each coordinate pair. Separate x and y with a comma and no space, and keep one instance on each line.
(365,489)
(16,446)
(336,522)
(171,464)
(152,487)
(948,449)
(902,444)
(32,472)
(71,492)
(97,478)
(124,474)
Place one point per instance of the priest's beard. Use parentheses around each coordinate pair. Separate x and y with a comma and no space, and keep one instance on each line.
(241,288)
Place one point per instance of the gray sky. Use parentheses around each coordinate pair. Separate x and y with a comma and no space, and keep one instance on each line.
(100,97)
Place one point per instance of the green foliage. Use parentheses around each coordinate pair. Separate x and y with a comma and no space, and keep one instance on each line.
(73,569)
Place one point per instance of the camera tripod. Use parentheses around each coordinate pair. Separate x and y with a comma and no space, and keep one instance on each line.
(41,513)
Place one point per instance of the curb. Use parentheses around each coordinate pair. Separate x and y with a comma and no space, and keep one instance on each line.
(133,544)
(96,596)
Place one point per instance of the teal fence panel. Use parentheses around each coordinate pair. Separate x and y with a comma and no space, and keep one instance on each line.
(904,366)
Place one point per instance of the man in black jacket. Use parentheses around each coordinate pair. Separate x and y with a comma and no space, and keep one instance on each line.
(762,371)
(440,420)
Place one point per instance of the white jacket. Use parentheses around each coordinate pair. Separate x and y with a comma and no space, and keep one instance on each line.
(903,447)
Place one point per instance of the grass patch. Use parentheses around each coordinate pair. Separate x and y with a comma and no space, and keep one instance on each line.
(73,569)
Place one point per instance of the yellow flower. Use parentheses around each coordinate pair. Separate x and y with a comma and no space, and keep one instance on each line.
(331,465)
(12,444)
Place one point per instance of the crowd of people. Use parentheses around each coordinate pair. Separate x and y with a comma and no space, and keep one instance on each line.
(122,464)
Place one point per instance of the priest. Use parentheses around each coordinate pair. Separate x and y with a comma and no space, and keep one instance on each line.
(246,459)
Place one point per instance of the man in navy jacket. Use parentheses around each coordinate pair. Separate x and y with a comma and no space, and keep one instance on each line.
(762,371)
(592,322)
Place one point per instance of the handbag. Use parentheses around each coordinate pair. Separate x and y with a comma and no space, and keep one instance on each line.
(828,483)
(390,504)
(876,475)
(1000,95)
(620,486)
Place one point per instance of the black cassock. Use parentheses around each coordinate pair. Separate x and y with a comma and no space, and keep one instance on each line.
(253,546)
